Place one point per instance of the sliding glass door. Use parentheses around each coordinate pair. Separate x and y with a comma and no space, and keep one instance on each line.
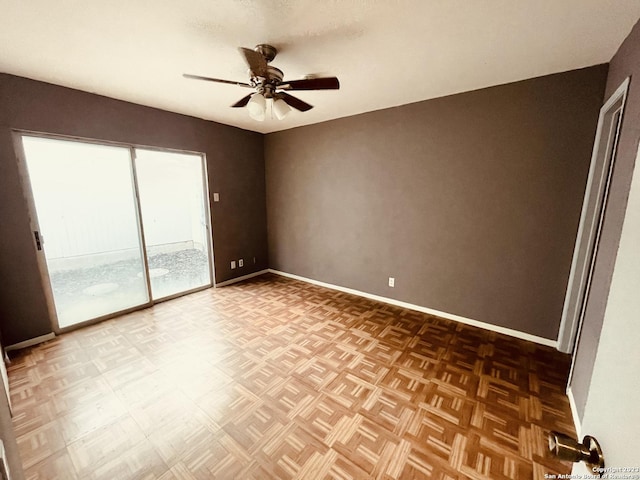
(174,220)
(85,202)
(119,227)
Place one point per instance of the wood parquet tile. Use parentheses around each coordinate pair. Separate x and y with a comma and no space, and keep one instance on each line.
(275,378)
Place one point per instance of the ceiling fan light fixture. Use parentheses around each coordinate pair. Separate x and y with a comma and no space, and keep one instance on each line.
(280,108)
(257,107)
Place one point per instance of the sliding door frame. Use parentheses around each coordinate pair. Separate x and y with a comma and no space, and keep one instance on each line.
(34,223)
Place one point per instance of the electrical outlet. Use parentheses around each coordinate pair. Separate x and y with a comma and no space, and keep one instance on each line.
(241,263)
(254,260)
(392,282)
(216,197)
(233,264)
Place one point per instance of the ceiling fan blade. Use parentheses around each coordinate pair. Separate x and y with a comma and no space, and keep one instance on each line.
(256,62)
(243,101)
(217,80)
(294,102)
(324,83)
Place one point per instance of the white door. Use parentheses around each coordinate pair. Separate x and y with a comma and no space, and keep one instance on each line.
(612,412)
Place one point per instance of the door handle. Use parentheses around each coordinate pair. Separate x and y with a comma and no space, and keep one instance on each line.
(39,239)
(566,448)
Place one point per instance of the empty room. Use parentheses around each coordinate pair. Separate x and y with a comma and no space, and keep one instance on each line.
(319,240)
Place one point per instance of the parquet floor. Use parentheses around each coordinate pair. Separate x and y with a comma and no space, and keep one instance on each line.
(275,378)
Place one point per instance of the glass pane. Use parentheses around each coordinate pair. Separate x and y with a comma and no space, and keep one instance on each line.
(85,202)
(171,190)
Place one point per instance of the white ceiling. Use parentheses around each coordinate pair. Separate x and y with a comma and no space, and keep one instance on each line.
(385,52)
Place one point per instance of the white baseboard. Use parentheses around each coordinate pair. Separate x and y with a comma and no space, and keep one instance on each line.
(31,342)
(240,279)
(574,412)
(430,311)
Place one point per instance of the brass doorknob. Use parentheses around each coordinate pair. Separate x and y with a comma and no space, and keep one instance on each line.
(566,448)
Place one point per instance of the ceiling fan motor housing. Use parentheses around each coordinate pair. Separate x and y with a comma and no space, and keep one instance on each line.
(267,84)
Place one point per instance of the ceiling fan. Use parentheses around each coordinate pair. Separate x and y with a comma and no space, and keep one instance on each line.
(268,83)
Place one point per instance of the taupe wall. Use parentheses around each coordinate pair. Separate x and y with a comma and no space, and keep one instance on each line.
(625,63)
(470,201)
(235,164)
